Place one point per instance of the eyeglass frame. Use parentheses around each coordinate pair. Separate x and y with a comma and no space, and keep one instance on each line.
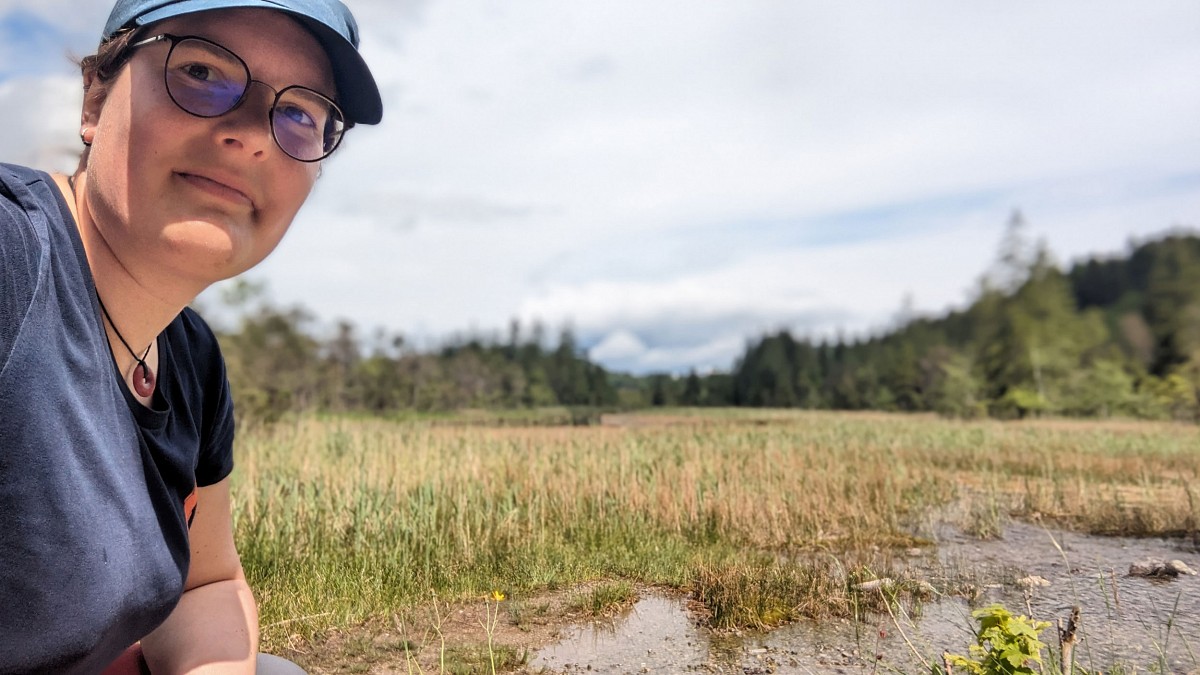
(176,39)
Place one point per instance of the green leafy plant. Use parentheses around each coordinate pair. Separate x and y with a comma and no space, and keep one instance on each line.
(1007,644)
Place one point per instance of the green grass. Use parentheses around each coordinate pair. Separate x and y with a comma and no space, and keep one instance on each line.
(340,521)
(477,659)
(604,599)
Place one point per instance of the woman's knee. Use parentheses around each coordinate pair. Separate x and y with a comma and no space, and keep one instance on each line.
(273,665)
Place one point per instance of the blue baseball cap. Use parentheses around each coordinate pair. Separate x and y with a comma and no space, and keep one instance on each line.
(328,20)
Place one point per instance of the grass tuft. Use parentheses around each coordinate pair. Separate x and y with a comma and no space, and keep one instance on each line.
(763,595)
(604,599)
(477,659)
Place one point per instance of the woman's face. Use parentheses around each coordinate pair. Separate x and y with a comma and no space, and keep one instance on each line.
(189,200)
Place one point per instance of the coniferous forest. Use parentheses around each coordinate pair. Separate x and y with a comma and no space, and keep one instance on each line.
(1115,336)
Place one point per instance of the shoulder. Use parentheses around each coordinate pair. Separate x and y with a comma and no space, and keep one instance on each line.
(20,173)
(197,330)
(19,185)
(205,391)
(15,196)
(13,174)
(27,211)
(29,204)
(190,333)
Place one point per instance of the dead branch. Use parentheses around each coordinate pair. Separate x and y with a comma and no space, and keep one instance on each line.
(1066,639)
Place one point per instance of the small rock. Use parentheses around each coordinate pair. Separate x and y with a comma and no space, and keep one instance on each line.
(875,585)
(1179,567)
(1032,581)
(1148,567)
(1155,567)
(915,552)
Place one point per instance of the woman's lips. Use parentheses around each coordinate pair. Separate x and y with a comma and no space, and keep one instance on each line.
(216,188)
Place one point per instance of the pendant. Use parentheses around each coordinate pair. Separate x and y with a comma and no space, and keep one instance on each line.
(143,381)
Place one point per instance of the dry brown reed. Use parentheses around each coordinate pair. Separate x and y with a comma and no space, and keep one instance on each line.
(347,519)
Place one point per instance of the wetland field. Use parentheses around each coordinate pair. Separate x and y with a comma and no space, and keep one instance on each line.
(739,541)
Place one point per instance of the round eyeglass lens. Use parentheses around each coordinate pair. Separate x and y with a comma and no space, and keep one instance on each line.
(205,79)
(307,125)
(208,80)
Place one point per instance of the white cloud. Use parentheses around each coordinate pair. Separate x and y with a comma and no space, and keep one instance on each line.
(682,175)
(620,345)
(40,119)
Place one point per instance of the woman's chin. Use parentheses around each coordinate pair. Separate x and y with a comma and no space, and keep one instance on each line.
(207,254)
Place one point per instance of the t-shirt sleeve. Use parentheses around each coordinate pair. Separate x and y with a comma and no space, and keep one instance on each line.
(20,251)
(216,451)
(215,461)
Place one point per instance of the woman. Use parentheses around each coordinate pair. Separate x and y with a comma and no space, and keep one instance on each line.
(204,124)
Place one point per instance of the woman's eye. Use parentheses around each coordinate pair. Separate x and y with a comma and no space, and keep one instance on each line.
(198,71)
(297,115)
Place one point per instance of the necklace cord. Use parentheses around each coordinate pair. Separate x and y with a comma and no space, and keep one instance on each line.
(141,361)
(143,382)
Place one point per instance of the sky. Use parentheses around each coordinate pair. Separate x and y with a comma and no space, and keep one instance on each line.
(672,178)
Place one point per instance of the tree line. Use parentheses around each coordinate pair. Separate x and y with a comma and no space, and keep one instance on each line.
(1113,336)
(1116,336)
(277,363)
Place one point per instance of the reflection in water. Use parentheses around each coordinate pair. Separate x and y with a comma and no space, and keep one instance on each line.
(1123,622)
(655,635)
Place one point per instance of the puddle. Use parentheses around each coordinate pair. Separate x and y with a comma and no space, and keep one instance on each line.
(654,636)
(1131,627)
(1124,618)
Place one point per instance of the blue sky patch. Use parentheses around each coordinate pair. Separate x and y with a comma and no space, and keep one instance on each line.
(1180,182)
(30,45)
(894,220)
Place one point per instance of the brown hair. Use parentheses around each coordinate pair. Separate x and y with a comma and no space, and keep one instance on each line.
(99,69)
(108,59)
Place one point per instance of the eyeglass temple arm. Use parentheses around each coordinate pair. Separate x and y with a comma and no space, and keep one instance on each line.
(157,38)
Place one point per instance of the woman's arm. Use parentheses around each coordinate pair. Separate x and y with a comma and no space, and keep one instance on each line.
(214,629)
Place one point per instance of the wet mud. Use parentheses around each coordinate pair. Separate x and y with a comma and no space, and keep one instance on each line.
(1127,621)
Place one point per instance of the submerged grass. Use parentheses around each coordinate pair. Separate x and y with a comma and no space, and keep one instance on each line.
(339,521)
(763,595)
(604,599)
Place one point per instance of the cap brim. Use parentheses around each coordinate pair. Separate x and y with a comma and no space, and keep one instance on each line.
(358,95)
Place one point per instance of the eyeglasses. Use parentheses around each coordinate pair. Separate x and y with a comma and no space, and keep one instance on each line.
(207,80)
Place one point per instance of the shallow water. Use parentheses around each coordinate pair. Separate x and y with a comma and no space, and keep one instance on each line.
(1129,626)
(1124,618)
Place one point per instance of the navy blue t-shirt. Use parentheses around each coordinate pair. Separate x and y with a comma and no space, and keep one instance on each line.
(93,485)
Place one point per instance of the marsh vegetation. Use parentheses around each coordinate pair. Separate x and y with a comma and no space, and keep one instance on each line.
(760,517)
